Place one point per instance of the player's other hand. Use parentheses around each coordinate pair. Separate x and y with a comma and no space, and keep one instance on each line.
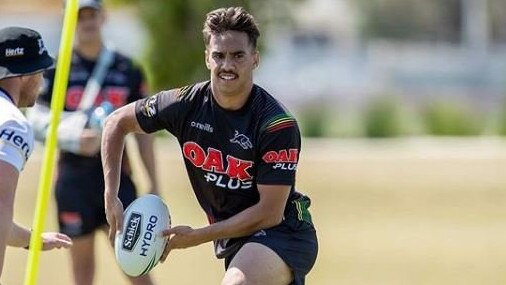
(51,240)
(114,216)
(179,237)
(90,142)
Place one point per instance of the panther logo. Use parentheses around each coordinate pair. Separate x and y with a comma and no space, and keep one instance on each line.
(242,140)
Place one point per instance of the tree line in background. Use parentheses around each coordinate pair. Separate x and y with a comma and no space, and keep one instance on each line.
(389,116)
(427,20)
(174,57)
(174,53)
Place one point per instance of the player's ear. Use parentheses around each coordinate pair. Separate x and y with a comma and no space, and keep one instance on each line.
(207,59)
(256,59)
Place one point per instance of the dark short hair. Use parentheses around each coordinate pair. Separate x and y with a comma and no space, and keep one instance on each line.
(230,19)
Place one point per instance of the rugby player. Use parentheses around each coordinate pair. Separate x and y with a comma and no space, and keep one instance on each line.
(241,149)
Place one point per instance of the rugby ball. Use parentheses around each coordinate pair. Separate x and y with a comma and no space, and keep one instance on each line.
(139,246)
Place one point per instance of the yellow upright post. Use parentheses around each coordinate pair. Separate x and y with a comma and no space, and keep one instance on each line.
(58,99)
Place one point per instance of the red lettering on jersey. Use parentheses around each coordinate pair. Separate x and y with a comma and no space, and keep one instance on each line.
(237,168)
(213,161)
(73,98)
(270,156)
(281,156)
(293,157)
(117,96)
(194,153)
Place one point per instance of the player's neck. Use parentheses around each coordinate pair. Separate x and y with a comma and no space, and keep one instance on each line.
(89,50)
(232,101)
(12,87)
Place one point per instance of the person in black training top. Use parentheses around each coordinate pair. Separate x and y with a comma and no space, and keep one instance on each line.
(80,185)
(241,149)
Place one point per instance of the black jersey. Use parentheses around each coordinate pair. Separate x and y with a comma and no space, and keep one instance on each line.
(227,153)
(124,83)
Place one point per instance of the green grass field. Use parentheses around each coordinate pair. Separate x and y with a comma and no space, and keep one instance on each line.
(388,212)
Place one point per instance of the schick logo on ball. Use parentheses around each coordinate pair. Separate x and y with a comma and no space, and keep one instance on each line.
(133,231)
(149,235)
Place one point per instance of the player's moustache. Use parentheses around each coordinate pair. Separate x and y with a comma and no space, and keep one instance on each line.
(221,72)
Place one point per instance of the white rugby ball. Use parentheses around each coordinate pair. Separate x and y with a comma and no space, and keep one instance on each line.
(139,246)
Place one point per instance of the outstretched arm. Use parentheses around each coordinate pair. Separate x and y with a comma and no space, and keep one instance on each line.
(8,182)
(12,234)
(120,123)
(268,212)
(20,237)
(146,150)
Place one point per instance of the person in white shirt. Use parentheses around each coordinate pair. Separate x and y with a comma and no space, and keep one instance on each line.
(23,58)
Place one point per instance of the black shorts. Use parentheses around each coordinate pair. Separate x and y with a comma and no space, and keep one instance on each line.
(294,240)
(80,200)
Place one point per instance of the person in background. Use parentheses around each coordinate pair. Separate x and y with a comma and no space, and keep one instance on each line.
(241,150)
(23,58)
(100,80)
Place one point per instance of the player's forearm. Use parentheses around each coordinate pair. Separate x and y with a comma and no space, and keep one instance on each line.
(8,184)
(146,150)
(18,236)
(113,143)
(5,223)
(247,222)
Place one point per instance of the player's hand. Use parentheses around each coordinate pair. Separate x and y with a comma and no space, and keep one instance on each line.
(90,142)
(114,216)
(51,240)
(179,237)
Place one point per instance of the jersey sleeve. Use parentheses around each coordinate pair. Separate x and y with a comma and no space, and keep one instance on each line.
(278,151)
(164,110)
(16,143)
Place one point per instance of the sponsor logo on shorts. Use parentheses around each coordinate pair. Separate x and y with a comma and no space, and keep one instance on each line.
(71,222)
(132,231)
(260,233)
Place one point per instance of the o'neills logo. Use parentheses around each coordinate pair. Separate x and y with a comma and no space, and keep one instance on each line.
(132,231)
(202,126)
